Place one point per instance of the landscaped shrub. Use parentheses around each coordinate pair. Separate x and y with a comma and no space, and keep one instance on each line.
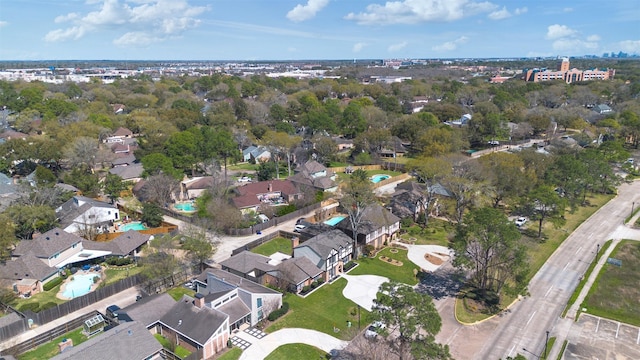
(116,261)
(320,281)
(278,313)
(314,285)
(306,289)
(53,283)
(284,210)
(29,307)
(96,279)
(46,306)
(369,250)
(406,222)
(348,266)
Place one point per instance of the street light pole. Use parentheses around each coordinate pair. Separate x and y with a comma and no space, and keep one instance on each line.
(547,343)
(633,205)
(597,251)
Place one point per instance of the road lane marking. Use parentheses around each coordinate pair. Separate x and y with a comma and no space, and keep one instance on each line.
(598,325)
(513,347)
(580,248)
(618,329)
(531,317)
(548,291)
(638,338)
(565,267)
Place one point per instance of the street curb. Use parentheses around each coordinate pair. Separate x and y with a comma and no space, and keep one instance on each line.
(455,313)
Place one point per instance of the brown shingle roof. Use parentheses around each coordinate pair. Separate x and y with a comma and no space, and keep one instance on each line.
(48,244)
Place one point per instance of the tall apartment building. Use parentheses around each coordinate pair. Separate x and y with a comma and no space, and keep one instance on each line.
(564,72)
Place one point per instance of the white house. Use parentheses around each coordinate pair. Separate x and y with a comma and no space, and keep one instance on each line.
(79,212)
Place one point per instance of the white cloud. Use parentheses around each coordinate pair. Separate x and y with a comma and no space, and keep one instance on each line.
(630,46)
(358,47)
(593,38)
(559,31)
(397,47)
(504,13)
(3,23)
(450,45)
(574,45)
(141,22)
(417,11)
(306,12)
(520,11)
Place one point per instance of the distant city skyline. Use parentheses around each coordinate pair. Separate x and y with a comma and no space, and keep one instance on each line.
(314,29)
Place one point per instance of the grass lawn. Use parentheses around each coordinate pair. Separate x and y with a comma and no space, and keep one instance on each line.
(375,266)
(243,166)
(179,350)
(437,233)
(50,349)
(296,351)
(177,292)
(323,310)
(278,244)
(615,293)
(41,298)
(232,354)
(114,273)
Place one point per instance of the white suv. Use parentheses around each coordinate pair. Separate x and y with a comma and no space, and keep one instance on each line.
(520,221)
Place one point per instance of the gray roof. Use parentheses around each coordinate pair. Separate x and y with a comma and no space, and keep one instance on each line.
(246,261)
(128,172)
(374,217)
(236,309)
(322,244)
(198,324)
(26,267)
(312,167)
(297,270)
(147,310)
(76,206)
(48,244)
(125,341)
(237,281)
(124,160)
(66,187)
(120,246)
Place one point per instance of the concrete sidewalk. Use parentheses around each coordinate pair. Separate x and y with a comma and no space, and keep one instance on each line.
(122,299)
(261,348)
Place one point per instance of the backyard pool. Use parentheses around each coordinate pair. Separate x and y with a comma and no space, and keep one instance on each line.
(334,220)
(185,207)
(136,225)
(377,178)
(80,285)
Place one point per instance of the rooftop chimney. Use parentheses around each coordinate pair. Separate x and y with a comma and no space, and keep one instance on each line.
(199,300)
(270,187)
(295,241)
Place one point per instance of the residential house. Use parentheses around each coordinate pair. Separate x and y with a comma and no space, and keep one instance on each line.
(193,188)
(272,193)
(147,310)
(245,301)
(118,109)
(315,175)
(131,341)
(410,199)
(343,144)
(393,148)
(132,172)
(602,109)
(128,244)
(328,251)
(125,160)
(295,273)
(249,265)
(194,326)
(27,274)
(119,135)
(463,121)
(81,212)
(257,154)
(377,227)
(53,247)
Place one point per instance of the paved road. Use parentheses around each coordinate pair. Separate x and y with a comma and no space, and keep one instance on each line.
(526,322)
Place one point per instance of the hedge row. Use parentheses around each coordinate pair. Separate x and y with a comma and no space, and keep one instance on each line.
(53,283)
(119,261)
(278,313)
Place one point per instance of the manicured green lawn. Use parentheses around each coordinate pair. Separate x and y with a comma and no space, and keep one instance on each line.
(50,349)
(615,293)
(243,166)
(177,292)
(278,244)
(41,298)
(179,350)
(375,266)
(323,310)
(114,273)
(232,354)
(296,351)
(437,233)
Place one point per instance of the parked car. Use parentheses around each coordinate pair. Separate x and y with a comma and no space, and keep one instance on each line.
(520,221)
(111,311)
(374,329)
(299,227)
(244,179)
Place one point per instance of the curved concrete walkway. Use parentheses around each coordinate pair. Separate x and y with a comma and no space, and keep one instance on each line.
(416,254)
(363,289)
(260,348)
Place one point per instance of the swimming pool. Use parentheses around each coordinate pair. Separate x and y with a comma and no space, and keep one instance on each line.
(335,220)
(185,207)
(80,285)
(136,225)
(377,178)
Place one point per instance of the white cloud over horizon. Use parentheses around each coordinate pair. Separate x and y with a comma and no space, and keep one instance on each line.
(450,45)
(397,47)
(557,31)
(504,13)
(305,12)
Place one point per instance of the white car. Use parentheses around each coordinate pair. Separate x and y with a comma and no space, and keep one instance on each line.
(374,329)
(520,221)
(244,179)
(299,227)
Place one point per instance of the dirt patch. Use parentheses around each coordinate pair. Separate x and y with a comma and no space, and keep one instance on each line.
(390,261)
(433,259)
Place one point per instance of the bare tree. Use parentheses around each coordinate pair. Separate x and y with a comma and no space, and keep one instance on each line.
(160,189)
(81,152)
(86,227)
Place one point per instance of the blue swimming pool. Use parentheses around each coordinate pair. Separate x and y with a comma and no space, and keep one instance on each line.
(334,220)
(377,178)
(136,225)
(185,207)
(80,285)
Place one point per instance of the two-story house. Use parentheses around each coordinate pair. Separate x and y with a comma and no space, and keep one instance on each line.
(315,175)
(328,251)
(81,212)
(271,193)
(378,225)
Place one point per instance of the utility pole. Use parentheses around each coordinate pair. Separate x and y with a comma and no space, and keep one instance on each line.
(547,342)
(597,251)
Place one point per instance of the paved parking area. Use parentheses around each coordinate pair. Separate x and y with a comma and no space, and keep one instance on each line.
(594,338)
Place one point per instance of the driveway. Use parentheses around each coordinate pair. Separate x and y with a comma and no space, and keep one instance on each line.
(260,348)
(363,289)
(418,253)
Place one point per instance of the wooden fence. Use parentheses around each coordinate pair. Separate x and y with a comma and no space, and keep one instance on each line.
(390,180)
(162,229)
(261,240)
(274,221)
(342,169)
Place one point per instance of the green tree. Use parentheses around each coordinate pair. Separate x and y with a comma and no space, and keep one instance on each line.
(84,180)
(182,149)
(414,318)
(543,203)
(266,171)
(358,195)
(507,176)
(487,244)
(199,250)
(113,186)
(45,177)
(431,171)
(7,237)
(29,219)
(151,214)
(352,121)
(156,164)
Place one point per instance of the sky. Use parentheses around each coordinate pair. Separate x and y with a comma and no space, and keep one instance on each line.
(253,30)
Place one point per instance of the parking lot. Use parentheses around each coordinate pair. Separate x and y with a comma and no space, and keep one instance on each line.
(596,338)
